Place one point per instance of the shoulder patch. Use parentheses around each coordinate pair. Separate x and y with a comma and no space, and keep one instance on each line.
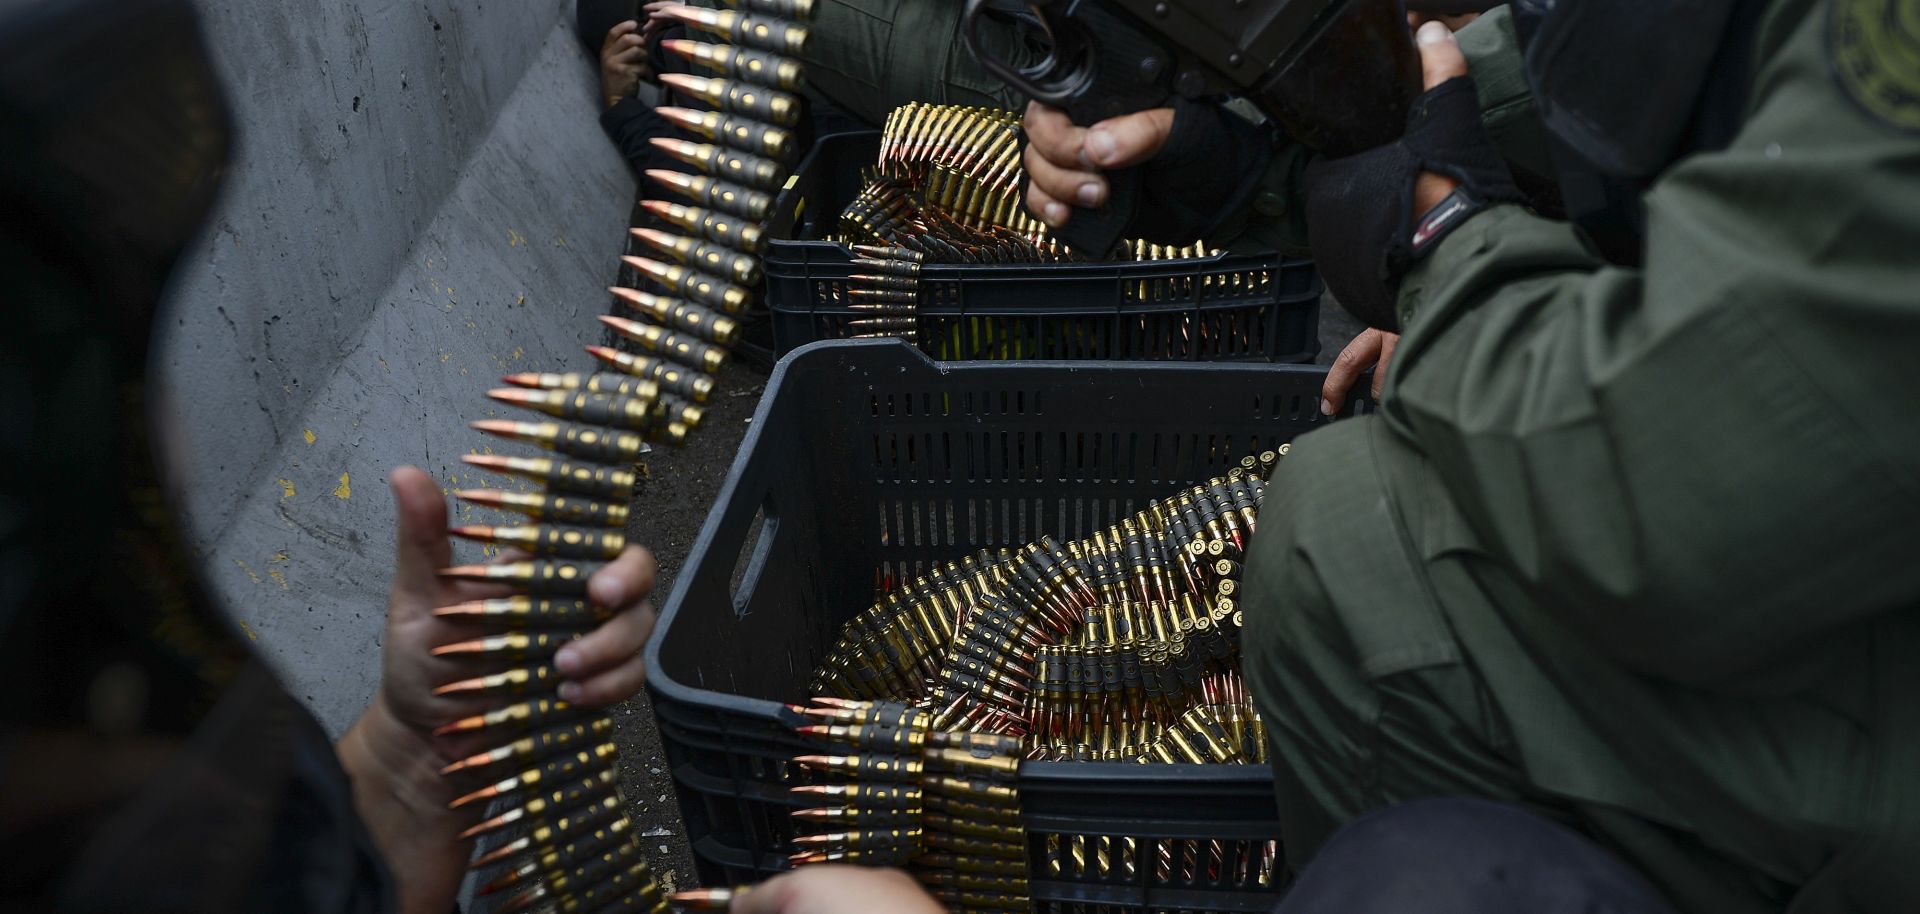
(1874,46)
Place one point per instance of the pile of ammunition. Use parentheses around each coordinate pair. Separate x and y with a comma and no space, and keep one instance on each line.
(552,771)
(1123,645)
(946,190)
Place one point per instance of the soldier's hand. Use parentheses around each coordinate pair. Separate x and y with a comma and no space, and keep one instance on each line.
(838,890)
(623,62)
(1064,160)
(600,668)
(1371,349)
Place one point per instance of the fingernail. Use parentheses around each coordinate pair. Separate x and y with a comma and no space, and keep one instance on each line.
(1326,407)
(607,588)
(570,691)
(1089,194)
(1056,214)
(1100,143)
(568,660)
(1434,33)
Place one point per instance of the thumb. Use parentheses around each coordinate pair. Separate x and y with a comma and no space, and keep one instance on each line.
(1130,139)
(420,536)
(1440,56)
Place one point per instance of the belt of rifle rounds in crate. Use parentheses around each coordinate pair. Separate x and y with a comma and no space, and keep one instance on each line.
(946,189)
(550,776)
(1123,645)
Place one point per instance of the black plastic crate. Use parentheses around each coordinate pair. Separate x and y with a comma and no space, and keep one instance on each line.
(867,460)
(1229,307)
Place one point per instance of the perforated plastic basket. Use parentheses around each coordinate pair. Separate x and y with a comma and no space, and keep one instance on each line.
(1230,307)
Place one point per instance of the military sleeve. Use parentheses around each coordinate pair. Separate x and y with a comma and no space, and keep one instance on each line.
(1272,220)
(1703,464)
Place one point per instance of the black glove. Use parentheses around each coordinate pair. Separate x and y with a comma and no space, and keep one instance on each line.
(1359,208)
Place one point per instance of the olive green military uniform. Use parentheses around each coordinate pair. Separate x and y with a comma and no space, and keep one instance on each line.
(1640,549)
(871,56)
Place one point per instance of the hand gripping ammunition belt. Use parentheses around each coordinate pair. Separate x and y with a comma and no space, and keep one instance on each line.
(946,189)
(550,776)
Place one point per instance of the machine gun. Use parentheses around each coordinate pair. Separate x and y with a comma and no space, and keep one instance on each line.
(1338,75)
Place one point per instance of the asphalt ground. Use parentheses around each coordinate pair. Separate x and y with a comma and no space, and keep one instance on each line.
(679,487)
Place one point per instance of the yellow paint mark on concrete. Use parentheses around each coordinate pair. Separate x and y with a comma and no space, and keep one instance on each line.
(345,491)
(249,571)
(278,578)
(280,556)
(308,434)
(248,629)
(521,300)
(560,241)
(463,371)
(446,357)
(514,239)
(286,488)
(519,352)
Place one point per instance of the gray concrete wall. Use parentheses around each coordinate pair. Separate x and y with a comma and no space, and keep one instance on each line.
(422,201)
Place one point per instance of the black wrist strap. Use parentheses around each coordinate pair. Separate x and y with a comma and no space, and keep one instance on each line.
(1442,219)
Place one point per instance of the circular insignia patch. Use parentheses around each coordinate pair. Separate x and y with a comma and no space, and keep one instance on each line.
(1875,48)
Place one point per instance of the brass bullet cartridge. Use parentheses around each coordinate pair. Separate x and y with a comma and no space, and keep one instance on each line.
(518,717)
(629,413)
(743,64)
(982,902)
(679,315)
(529,612)
(708,899)
(882,309)
(882,252)
(570,509)
(610,383)
(888,856)
(882,295)
(511,682)
(849,817)
(883,324)
(797,10)
(707,258)
(716,227)
(541,576)
(585,442)
(554,856)
(588,820)
(865,766)
(510,646)
(582,764)
(903,268)
(734,132)
(967,846)
(739,28)
(974,763)
(618,881)
(869,794)
(973,790)
(672,378)
(693,285)
(869,839)
(716,194)
(886,281)
(976,882)
(721,162)
(546,742)
(559,542)
(979,865)
(683,349)
(574,794)
(606,483)
(989,831)
(980,811)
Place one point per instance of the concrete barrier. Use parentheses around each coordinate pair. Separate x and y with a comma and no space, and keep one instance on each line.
(422,201)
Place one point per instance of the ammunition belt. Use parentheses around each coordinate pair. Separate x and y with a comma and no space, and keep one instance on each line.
(551,772)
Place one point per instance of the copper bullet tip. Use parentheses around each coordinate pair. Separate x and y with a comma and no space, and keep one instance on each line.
(604,353)
(469,608)
(512,395)
(484,793)
(461,647)
(471,761)
(488,497)
(464,685)
(814,761)
(684,81)
(810,790)
(471,531)
(488,461)
(461,726)
(523,379)
(495,426)
(813,730)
